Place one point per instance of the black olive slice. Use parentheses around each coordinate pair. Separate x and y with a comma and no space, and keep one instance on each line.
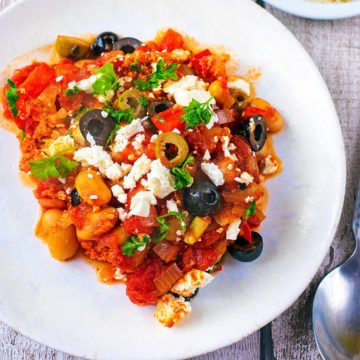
(104,43)
(75,198)
(127,45)
(201,198)
(159,106)
(94,122)
(254,131)
(244,251)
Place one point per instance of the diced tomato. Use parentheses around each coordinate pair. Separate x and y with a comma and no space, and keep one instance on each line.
(206,258)
(250,111)
(48,189)
(69,72)
(140,286)
(169,119)
(208,238)
(141,225)
(171,40)
(254,221)
(198,60)
(245,231)
(150,151)
(188,260)
(38,79)
(78,214)
(21,74)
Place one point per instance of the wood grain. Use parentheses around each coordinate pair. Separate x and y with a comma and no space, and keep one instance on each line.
(335,48)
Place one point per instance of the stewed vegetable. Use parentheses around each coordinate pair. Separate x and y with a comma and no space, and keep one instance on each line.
(201,198)
(98,124)
(244,251)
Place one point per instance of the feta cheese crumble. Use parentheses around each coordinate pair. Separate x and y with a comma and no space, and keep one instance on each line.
(159,181)
(125,133)
(213,172)
(140,203)
(114,172)
(233,230)
(85,84)
(141,167)
(119,193)
(171,205)
(207,156)
(269,165)
(240,84)
(245,178)
(191,281)
(225,148)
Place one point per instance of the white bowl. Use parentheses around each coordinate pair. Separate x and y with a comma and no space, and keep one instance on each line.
(63,305)
(320,11)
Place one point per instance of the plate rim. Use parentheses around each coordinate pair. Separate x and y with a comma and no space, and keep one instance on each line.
(317,11)
(330,235)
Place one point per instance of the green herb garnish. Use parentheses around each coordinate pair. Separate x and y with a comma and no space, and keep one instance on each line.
(72,91)
(250,211)
(12,96)
(135,66)
(164,225)
(55,166)
(197,113)
(143,101)
(129,247)
(23,135)
(162,72)
(182,177)
(107,81)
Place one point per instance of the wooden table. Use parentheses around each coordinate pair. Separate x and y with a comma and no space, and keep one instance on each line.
(335,48)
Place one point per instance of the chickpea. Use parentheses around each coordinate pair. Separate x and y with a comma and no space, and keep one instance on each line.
(121,234)
(61,240)
(92,188)
(98,223)
(274,121)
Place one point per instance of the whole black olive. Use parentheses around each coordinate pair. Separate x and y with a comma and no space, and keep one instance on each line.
(244,251)
(99,127)
(187,298)
(201,198)
(254,131)
(104,43)
(75,198)
(127,44)
(159,106)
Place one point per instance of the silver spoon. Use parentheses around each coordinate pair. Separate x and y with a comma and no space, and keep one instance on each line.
(336,308)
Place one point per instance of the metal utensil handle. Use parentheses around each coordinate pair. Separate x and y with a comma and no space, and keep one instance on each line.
(356,219)
(266,343)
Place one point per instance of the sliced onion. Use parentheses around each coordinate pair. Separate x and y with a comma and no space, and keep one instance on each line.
(225,116)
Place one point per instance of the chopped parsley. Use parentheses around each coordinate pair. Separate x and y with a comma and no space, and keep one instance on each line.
(197,113)
(135,66)
(251,210)
(134,243)
(72,91)
(107,82)
(162,72)
(23,135)
(55,166)
(12,96)
(182,177)
(118,115)
(143,101)
(164,225)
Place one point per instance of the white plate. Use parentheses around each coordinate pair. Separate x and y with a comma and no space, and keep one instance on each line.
(320,11)
(64,306)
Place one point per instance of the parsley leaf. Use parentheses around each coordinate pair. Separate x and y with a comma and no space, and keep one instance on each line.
(72,91)
(162,72)
(135,66)
(182,177)
(12,96)
(107,81)
(196,113)
(143,101)
(129,247)
(55,166)
(164,225)
(118,115)
(251,210)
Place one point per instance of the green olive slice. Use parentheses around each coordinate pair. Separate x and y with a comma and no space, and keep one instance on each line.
(131,99)
(71,47)
(171,148)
